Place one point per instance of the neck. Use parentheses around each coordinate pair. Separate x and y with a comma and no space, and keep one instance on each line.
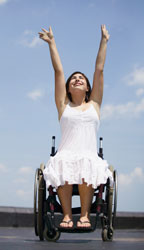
(78,99)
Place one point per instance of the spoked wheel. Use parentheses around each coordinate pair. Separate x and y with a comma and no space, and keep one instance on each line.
(109,218)
(39,198)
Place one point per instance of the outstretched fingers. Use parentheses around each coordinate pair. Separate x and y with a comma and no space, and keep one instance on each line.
(46,31)
(41,33)
(46,35)
(103,26)
(104,31)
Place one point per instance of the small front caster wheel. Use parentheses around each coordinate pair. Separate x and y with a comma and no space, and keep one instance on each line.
(104,234)
(107,234)
(51,235)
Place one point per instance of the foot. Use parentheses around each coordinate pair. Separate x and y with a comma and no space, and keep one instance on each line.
(66,223)
(83,222)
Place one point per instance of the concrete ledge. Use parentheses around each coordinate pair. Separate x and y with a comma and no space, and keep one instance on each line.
(16,217)
(23,217)
(129,220)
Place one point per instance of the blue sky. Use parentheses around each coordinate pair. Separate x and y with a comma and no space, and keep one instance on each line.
(28,116)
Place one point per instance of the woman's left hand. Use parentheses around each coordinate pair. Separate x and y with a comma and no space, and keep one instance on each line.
(104,32)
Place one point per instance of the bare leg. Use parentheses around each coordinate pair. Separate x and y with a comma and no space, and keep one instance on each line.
(65,197)
(86,196)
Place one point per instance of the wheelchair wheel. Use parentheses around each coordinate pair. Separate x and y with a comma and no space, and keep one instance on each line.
(35,202)
(52,235)
(39,198)
(107,234)
(115,193)
(109,219)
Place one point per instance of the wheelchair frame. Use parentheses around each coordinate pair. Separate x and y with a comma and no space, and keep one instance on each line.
(45,208)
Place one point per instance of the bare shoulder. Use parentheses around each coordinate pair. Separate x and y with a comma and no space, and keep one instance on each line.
(62,107)
(96,106)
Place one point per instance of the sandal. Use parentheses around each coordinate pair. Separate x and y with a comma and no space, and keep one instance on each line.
(67,222)
(83,222)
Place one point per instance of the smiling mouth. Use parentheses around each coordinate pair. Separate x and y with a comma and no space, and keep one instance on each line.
(78,84)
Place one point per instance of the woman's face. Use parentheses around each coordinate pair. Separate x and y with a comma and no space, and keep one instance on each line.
(77,82)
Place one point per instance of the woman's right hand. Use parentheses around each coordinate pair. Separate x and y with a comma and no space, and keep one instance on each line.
(47,36)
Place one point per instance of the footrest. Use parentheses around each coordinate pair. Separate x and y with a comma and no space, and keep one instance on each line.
(76,230)
(84,229)
(66,230)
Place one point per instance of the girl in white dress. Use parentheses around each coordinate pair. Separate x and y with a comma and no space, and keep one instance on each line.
(77,161)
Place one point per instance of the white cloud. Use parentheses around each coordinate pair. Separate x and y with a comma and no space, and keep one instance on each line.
(28,32)
(140,107)
(35,41)
(136,77)
(130,109)
(30,40)
(3,1)
(23,194)
(20,181)
(140,92)
(25,170)
(136,175)
(3,168)
(35,94)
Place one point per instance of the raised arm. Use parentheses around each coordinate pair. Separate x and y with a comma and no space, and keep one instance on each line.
(97,88)
(60,90)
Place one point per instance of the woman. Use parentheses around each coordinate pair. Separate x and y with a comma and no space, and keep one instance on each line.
(76,161)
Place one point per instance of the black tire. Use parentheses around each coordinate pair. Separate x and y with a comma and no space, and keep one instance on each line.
(36,202)
(115,194)
(39,199)
(109,218)
(107,234)
(112,201)
(104,235)
(54,235)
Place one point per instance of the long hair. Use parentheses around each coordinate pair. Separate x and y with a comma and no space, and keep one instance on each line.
(87,96)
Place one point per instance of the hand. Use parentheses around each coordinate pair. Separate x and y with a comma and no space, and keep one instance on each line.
(104,32)
(47,36)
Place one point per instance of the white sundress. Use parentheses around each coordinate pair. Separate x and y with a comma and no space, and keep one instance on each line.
(77,159)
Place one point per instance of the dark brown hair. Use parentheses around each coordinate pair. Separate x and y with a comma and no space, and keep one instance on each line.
(87,97)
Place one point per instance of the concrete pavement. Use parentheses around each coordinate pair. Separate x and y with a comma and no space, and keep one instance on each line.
(17,233)
(24,238)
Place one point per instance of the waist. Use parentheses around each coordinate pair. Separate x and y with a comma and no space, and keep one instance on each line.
(70,154)
(79,142)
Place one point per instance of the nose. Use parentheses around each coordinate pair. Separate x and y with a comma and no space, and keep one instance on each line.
(77,79)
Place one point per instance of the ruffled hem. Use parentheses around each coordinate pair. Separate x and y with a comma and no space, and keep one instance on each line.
(74,168)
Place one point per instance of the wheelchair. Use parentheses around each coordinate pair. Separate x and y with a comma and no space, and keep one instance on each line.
(47,207)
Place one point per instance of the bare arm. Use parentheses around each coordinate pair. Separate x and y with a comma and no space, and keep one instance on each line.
(60,90)
(97,88)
